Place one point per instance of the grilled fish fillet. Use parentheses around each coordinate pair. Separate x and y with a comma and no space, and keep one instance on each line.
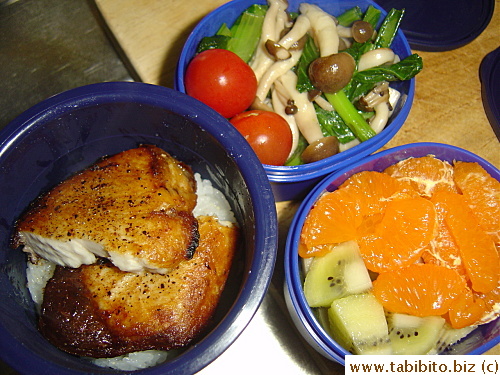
(134,208)
(100,311)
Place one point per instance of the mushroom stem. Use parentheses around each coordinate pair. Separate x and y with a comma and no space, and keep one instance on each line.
(271,28)
(375,57)
(323,103)
(324,28)
(305,117)
(277,50)
(344,32)
(276,70)
(299,29)
(383,110)
(348,145)
(379,94)
(279,106)
(379,121)
(262,105)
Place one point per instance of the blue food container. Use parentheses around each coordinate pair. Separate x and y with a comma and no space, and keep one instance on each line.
(295,182)
(480,340)
(70,131)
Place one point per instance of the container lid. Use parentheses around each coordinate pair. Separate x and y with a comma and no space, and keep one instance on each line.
(442,25)
(489,72)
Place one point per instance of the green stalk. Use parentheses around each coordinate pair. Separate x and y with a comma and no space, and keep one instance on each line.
(349,16)
(372,15)
(241,38)
(350,115)
(388,29)
(246,32)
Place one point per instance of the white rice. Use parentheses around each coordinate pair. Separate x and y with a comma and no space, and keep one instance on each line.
(211,202)
(133,361)
(38,275)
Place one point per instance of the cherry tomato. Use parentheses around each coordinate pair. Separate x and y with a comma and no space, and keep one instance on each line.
(222,80)
(268,134)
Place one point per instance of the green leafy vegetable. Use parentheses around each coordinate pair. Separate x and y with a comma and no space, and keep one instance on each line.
(243,37)
(295,158)
(332,124)
(364,81)
(401,71)
(309,53)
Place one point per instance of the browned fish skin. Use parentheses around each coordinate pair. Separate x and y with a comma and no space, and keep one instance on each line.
(137,203)
(100,311)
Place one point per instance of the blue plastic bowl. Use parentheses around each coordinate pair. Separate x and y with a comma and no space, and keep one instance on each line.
(480,340)
(295,182)
(68,132)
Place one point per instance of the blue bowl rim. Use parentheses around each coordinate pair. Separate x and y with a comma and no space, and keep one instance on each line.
(252,293)
(287,174)
(291,258)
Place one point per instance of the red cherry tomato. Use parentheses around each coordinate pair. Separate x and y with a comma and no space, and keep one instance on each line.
(268,133)
(222,80)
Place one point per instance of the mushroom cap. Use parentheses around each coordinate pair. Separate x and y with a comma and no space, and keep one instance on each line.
(321,149)
(362,31)
(333,72)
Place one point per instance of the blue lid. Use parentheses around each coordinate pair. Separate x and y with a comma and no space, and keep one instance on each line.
(442,25)
(489,73)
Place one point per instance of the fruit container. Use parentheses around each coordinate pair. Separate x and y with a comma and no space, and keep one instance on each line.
(305,319)
(71,130)
(294,182)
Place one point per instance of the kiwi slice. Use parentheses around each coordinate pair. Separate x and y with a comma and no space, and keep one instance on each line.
(321,314)
(358,323)
(449,336)
(339,273)
(413,334)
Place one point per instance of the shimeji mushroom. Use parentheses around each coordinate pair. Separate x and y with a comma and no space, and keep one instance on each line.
(305,116)
(321,149)
(280,104)
(379,94)
(276,70)
(327,39)
(362,31)
(324,28)
(376,57)
(381,100)
(332,73)
(274,23)
(300,28)
(284,60)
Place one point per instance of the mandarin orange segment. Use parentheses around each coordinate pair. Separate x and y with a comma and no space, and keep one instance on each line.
(336,215)
(333,219)
(374,189)
(466,310)
(419,289)
(399,237)
(477,249)
(427,174)
(483,194)
(443,250)
(492,302)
